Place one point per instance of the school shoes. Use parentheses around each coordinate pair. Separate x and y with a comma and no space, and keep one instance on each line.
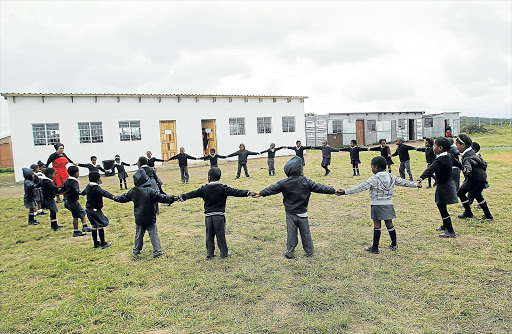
(393,247)
(42,213)
(156,255)
(447,235)
(485,217)
(441,228)
(78,234)
(289,257)
(465,215)
(225,256)
(372,250)
(209,257)
(96,244)
(428,187)
(34,222)
(105,245)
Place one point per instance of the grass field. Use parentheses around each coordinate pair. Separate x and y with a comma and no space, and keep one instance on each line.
(53,283)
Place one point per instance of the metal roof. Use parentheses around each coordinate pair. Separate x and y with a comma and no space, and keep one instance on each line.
(150,95)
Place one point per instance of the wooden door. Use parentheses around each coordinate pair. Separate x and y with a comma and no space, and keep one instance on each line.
(168,139)
(209,125)
(360,132)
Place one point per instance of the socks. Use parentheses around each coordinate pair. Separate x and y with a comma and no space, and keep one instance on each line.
(485,208)
(354,171)
(30,216)
(121,184)
(392,235)
(447,223)
(357,169)
(467,208)
(389,169)
(376,238)
(101,232)
(94,236)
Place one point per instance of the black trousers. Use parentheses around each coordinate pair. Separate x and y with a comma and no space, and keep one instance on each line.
(474,191)
(216,227)
(240,165)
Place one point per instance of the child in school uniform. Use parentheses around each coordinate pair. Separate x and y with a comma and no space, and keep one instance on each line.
(151,163)
(143,197)
(299,152)
(214,195)
(476,147)
(271,156)
(354,155)
(445,191)
(455,170)
(71,190)
(93,166)
(242,154)
(385,152)
(183,158)
(39,174)
(402,150)
(382,187)
(430,156)
(296,191)
(213,158)
(326,155)
(93,207)
(475,178)
(152,159)
(29,198)
(49,191)
(121,172)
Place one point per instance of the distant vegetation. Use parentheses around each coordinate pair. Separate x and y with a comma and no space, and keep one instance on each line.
(475,128)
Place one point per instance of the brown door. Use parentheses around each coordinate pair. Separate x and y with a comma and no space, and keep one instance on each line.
(168,139)
(360,132)
(209,125)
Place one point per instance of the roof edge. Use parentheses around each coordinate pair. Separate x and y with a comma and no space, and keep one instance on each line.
(151,95)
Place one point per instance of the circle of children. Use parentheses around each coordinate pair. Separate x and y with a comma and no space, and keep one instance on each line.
(445,159)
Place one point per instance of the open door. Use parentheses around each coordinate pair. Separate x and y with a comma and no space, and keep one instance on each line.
(168,139)
(412,130)
(360,132)
(209,136)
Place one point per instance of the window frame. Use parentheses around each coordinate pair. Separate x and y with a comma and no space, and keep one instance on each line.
(429,122)
(131,134)
(88,126)
(237,126)
(371,125)
(337,128)
(264,125)
(286,121)
(45,139)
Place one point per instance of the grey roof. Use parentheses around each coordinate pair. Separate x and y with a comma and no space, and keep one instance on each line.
(152,95)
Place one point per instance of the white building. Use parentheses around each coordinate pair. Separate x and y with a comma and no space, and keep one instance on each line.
(435,125)
(131,124)
(367,128)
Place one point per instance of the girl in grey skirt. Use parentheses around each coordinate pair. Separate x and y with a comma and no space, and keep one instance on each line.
(381,186)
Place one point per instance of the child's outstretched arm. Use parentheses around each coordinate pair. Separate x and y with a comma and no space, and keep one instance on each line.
(124,198)
(320,188)
(232,154)
(253,153)
(405,183)
(193,194)
(429,172)
(161,198)
(238,193)
(365,185)
(270,190)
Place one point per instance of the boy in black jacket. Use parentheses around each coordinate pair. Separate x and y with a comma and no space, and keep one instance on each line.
(242,154)
(385,152)
(71,190)
(213,158)
(271,156)
(121,172)
(430,156)
(296,191)
(299,152)
(354,155)
(183,162)
(402,150)
(214,195)
(29,199)
(49,190)
(326,155)
(93,207)
(143,197)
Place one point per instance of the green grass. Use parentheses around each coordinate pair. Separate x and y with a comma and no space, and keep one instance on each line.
(53,283)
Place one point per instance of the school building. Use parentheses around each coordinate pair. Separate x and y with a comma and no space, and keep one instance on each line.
(131,124)
(367,128)
(435,125)
(5,152)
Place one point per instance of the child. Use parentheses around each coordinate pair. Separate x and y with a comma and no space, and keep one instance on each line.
(71,190)
(29,199)
(182,162)
(296,191)
(354,155)
(430,156)
(93,166)
(455,171)
(476,147)
(93,208)
(143,197)
(402,150)
(385,152)
(242,154)
(152,160)
(476,178)
(151,174)
(214,195)
(121,173)
(326,155)
(445,191)
(49,191)
(38,172)
(270,160)
(299,152)
(381,186)
(213,158)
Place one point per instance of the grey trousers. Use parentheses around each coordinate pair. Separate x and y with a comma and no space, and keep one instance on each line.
(403,166)
(271,168)
(240,165)
(184,173)
(216,227)
(153,236)
(294,223)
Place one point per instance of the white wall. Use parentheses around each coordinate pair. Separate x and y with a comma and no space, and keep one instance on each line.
(188,115)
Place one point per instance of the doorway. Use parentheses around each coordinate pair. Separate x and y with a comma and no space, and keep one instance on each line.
(360,132)
(168,139)
(209,135)
(412,129)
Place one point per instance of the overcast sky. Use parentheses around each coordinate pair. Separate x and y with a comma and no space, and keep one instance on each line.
(344,55)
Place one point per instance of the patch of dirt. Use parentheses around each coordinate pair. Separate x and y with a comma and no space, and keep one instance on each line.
(472,242)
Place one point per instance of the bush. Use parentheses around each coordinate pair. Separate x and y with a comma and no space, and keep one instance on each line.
(7,170)
(475,128)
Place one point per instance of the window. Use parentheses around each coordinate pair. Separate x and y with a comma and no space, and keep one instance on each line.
(129,130)
(46,134)
(288,123)
(90,132)
(401,123)
(337,126)
(371,125)
(237,126)
(264,124)
(429,122)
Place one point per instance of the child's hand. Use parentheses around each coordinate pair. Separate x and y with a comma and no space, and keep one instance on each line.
(419,183)
(256,194)
(339,192)
(466,171)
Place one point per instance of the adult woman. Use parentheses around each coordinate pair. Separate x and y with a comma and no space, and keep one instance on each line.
(59,161)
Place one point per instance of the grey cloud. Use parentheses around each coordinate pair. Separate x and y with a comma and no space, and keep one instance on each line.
(383,91)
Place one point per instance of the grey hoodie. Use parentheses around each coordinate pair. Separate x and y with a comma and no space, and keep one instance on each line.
(381,187)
